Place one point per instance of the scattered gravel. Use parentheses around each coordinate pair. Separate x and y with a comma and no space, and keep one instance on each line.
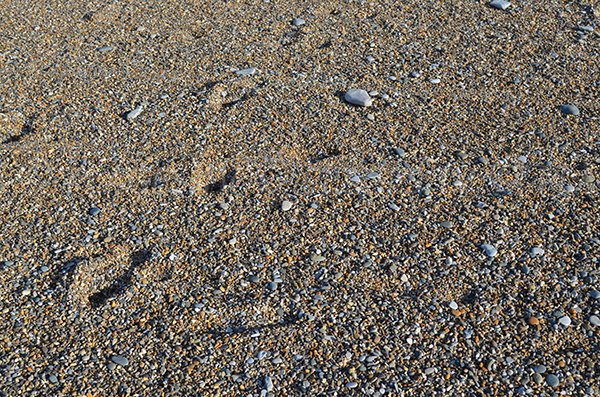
(188,188)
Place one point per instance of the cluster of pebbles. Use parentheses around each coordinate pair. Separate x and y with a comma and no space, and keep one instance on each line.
(328,198)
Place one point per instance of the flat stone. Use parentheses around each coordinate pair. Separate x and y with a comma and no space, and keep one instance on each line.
(286,205)
(246,72)
(94,211)
(569,109)
(298,22)
(120,360)
(358,97)
(540,369)
(355,179)
(105,48)
(489,250)
(595,320)
(552,380)
(500,4)
(351,385)
(595,294)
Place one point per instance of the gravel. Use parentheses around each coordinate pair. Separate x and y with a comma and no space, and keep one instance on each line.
(190,265)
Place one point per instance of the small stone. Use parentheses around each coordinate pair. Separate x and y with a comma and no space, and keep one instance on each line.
(404,278)
(453,305)
(415,74)
(522,159)
(286,205)
(371,117)
(537,378)
(446,224)
(429,371)
(565,320)
(570,188)
(490,250)
(537,251)
(272,286)
(134,113)
(44,269)
(393,207)
(399,152)
(355,179)
(500,4)
(254,279)
(435,81)
(120,360)
(552,380)
(358,97)
(533,321)
(105,48)
(540,369)
(298,22)
(317,258)
(594,294)
(246,72)
(94,211)
(53,379)
(351,385)
(594,320)
(569,109)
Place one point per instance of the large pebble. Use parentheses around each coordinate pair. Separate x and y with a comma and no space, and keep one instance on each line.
(358,97)
(489,250)
(500,4)
(120,360)
(552,380)
(565,320)
(286,205)
(569,109)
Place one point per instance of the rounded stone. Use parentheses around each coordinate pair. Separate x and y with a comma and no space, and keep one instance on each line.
(358,97)
(569,109)
(94,211)
(552,380)
(565,320)
(594,320)
(286,205)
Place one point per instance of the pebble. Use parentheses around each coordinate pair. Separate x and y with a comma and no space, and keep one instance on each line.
(537,251)
(400,152)
(351,385)
(272,286)
(435,81)
(552,380)
(595,320)
(246,72)
(595,294)
(53,379)
(569,109)
(120,360)
(490,250)
(105,48)
(537,378)
(540,369)
(565,320)
(134,113)
(286,205)
(570,188)
(393,207)
(298,22)
(94,211)
(589,178)
(453,305)
(500,4)
(268,383)
(358,97)
(355,179)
